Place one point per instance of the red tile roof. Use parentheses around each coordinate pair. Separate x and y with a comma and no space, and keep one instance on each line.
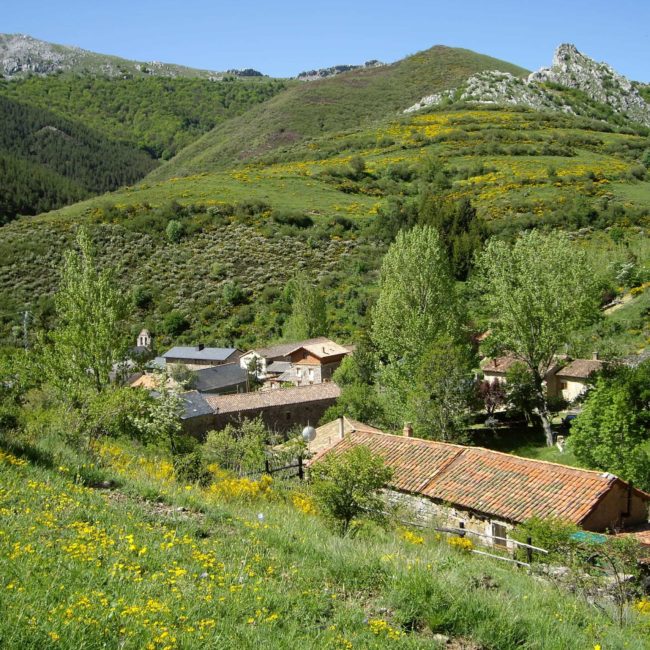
(490,482)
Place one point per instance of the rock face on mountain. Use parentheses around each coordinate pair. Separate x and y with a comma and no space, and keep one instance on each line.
(313,75)
(570,69)
(22,55)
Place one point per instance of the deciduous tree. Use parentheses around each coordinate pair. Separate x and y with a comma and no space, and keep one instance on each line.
(536,292)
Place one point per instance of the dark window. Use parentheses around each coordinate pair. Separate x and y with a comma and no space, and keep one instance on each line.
(499,533)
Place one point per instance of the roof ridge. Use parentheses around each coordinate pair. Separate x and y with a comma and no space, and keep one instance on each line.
(494,451)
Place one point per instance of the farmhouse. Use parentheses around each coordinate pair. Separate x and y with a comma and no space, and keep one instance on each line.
(281,409)
(277,362)
(573,379)
(198,356)
(489,491)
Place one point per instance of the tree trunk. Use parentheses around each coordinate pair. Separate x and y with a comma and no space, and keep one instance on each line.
(545,417)
(542,409)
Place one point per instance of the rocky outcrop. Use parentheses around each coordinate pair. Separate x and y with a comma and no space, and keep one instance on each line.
(570,69)
(313,75)
(22,55)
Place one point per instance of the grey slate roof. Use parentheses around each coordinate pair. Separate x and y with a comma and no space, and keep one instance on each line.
(278,366)
(220,377)
(206,354)
(195,405)
(274,397)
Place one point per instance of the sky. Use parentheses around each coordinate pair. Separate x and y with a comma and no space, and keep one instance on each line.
(283,38)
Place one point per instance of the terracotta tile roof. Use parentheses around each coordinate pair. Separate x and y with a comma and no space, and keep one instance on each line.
(580,368)
(413,460)
(517,488)
(276,397)
(493,483)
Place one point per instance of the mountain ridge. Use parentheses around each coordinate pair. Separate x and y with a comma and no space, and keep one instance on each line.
(22,55)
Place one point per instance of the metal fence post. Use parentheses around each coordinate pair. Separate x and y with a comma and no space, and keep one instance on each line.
(301,472)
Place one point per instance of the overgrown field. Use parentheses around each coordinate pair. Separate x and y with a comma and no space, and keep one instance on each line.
(239,564)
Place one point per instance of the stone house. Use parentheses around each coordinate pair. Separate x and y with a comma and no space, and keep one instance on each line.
(274,360)
(281,410)
(490,492)
(198,356)
(573,379)
(313,363)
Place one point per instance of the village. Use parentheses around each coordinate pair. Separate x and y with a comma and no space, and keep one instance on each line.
(475,490)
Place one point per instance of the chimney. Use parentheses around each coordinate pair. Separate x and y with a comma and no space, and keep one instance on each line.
(341,427)
(594,355)
(200,347)
(407,430)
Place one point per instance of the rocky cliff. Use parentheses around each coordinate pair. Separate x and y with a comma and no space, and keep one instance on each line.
(571,69)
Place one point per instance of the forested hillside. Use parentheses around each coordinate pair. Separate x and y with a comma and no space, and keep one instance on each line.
(49,160)
(156,114)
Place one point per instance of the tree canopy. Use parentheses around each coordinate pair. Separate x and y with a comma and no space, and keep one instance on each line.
(536,292)
(612,431)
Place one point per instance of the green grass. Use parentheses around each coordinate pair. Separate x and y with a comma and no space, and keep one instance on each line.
(521,440)
(92,569)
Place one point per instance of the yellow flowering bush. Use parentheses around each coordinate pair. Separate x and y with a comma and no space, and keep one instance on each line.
(411,537)
(304,503)
(241,488)
(460,543)
(380,627)
(643,606)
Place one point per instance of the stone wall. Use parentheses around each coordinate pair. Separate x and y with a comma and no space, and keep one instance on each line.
(428,513)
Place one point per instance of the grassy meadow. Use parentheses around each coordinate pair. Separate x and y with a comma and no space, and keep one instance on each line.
(159,564)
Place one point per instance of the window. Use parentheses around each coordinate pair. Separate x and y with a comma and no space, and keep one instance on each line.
(499,533)
(563,385)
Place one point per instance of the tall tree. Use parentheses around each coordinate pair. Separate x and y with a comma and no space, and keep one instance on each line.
(613,429)
(443,391)
(89,335)
(416,296)
(536,292)
(308,310)
(415,307)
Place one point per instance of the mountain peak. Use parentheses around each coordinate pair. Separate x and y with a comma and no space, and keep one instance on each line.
(570,69)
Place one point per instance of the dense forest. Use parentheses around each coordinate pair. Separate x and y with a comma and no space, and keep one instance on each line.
(66,161)
(158,115)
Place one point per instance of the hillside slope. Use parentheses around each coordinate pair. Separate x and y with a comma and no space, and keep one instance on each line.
(160,116)
(329,105)
(241,564)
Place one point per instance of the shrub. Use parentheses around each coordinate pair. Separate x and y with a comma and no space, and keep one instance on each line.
(174,231)
(175,323)
(347,487)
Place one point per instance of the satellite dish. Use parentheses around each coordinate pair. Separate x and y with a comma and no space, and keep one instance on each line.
(308,433)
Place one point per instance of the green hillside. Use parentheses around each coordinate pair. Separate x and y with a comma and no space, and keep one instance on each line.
(311,109)
(48,161)
(257,225)
(239,563)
